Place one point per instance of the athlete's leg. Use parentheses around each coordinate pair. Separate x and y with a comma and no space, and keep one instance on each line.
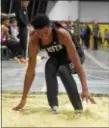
(71,87)
(51,82)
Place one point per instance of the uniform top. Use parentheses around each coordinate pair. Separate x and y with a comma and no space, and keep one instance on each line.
(55,49)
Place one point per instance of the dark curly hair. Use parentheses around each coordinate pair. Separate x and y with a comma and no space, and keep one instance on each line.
(40,21)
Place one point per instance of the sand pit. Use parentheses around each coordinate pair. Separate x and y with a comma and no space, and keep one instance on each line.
(37,113)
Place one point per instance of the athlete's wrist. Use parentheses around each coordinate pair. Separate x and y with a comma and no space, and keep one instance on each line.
(84,88)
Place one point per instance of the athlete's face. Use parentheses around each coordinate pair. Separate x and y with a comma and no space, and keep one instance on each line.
(44,33)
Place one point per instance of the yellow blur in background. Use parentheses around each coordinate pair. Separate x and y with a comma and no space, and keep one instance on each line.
(102,29)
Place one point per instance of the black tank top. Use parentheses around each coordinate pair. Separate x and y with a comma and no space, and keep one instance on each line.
(55,49)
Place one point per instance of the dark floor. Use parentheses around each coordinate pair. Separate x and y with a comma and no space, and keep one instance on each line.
(96,66)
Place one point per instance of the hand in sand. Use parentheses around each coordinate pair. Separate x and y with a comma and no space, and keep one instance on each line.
(86,95)
(20,105)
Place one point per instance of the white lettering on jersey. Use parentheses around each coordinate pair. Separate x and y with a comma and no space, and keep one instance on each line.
(55,48)
(71,66)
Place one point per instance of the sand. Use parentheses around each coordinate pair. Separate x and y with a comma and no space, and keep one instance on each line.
(37,113)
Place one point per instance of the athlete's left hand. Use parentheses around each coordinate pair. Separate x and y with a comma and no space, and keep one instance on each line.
(86,95)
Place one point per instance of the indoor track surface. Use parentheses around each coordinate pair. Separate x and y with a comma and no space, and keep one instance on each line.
(96,67)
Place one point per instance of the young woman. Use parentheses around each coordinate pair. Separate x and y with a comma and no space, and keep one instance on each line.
(61,51)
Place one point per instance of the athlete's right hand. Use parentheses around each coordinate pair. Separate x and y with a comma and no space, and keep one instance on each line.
(20,105)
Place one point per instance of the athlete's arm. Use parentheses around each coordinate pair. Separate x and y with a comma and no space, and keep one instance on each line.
(66,40)
(33,50)
(30,73)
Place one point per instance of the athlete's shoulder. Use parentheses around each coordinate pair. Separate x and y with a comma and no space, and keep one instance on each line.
(63,34)
(34,40)
(62,31)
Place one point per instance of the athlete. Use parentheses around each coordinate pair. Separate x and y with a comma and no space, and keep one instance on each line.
(62,52)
